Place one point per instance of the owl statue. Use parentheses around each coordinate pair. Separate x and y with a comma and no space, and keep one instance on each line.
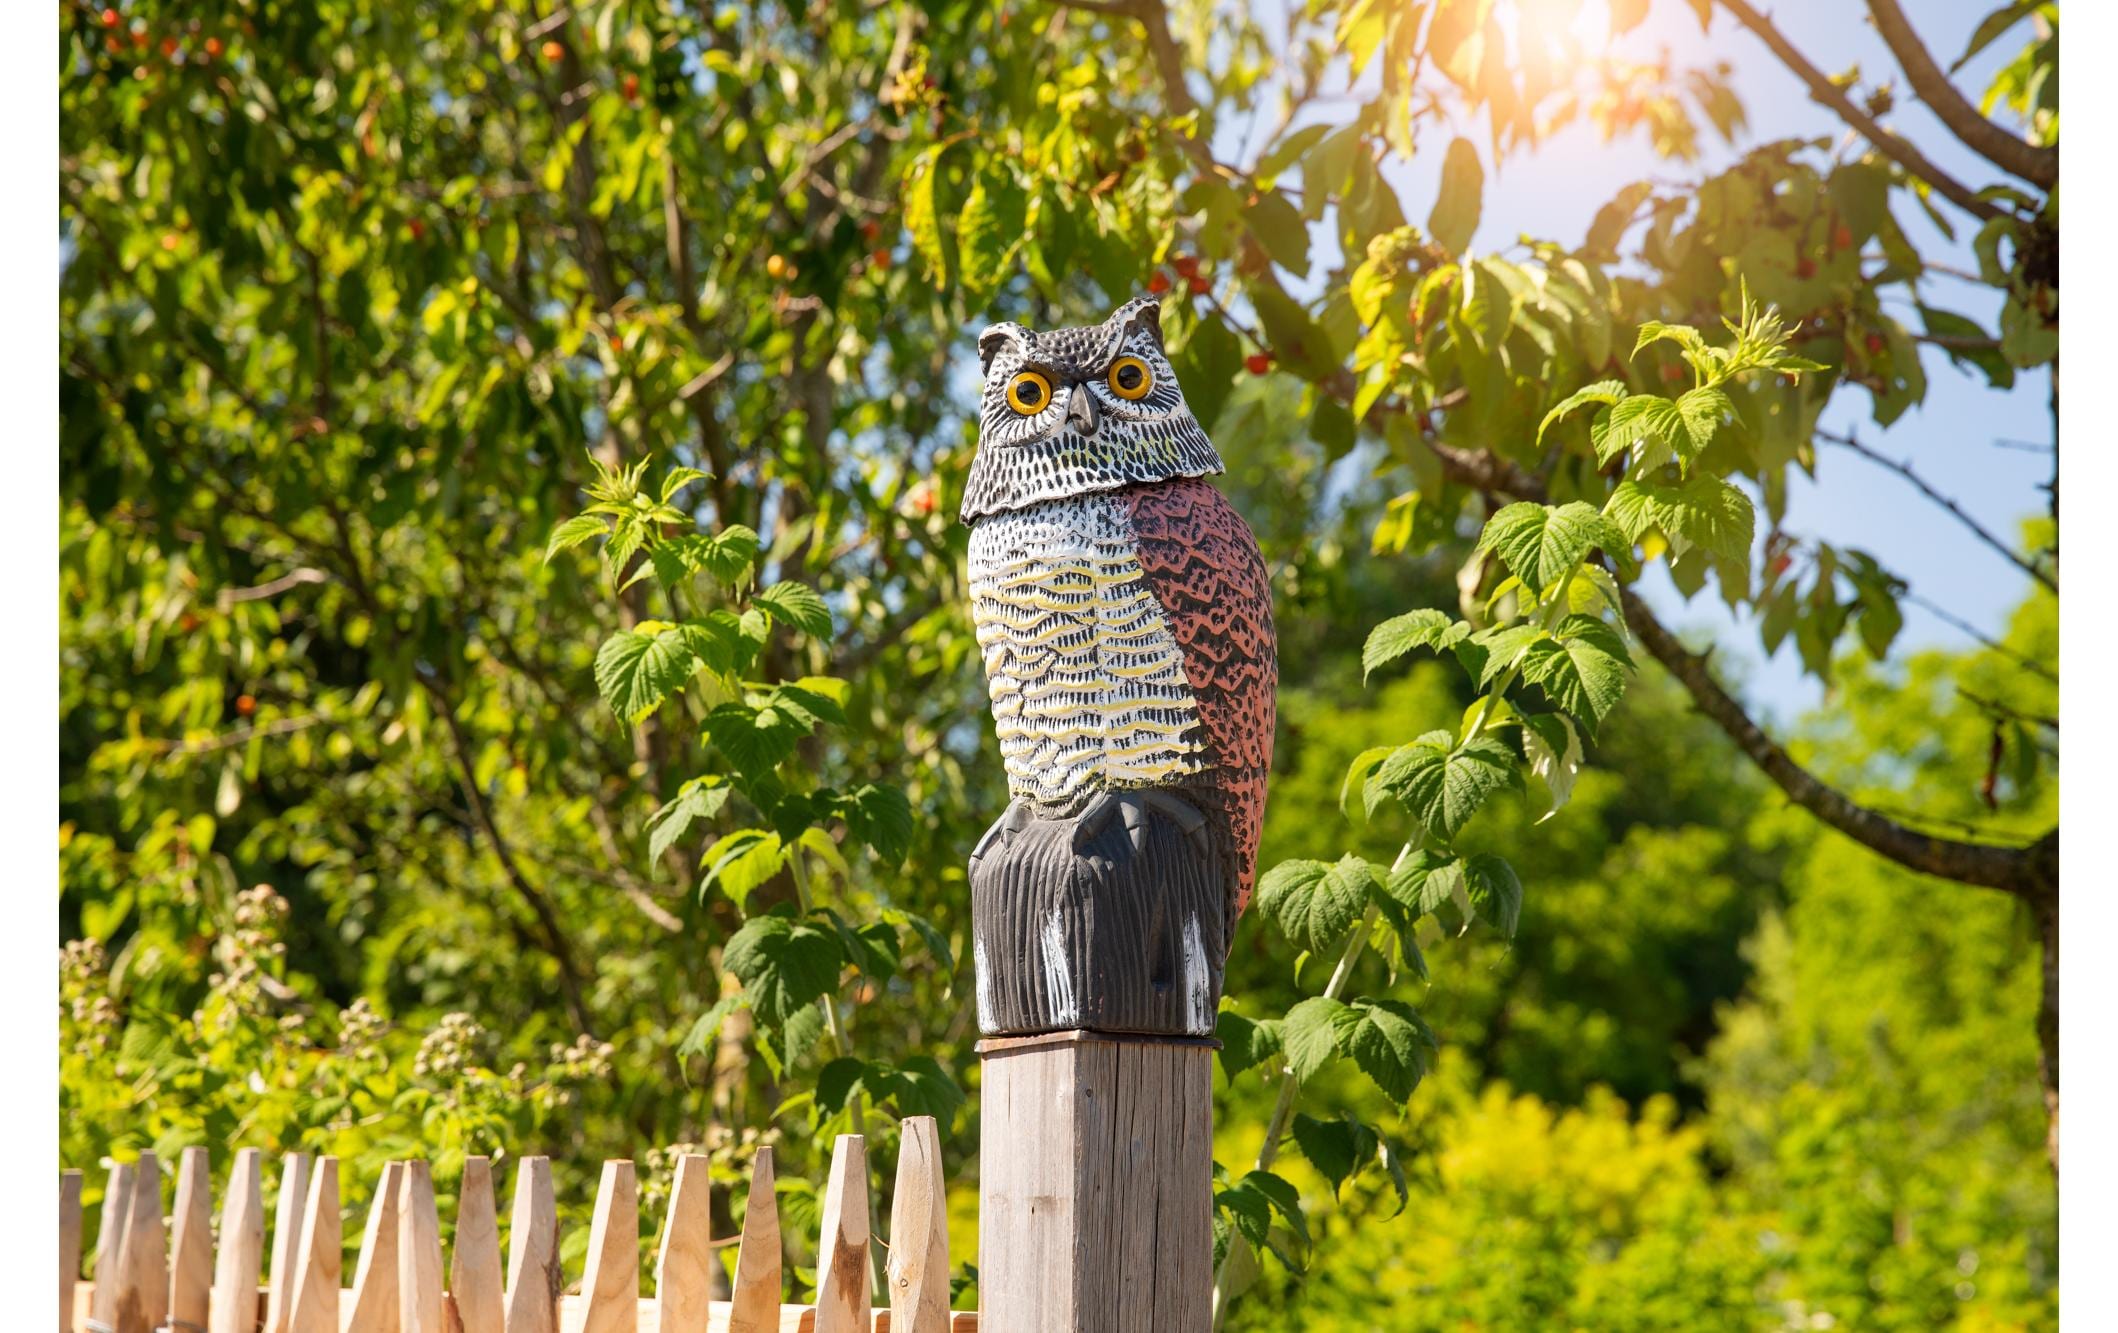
(1125,622)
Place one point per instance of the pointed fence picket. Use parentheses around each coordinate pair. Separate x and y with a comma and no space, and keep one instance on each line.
(150,1276)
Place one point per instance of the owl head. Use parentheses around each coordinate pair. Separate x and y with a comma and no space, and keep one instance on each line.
(1069,411)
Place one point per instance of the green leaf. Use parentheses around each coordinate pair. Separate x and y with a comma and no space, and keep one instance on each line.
(798,605)
(1459,200)
(922,213)
(1309,1035)
(1541,544)
(1553,748)
(637,671)
(699,1038)
(1582,666)
(1702,511)
(1642,419)
(754,739)
(1444,786)
(573,532)
(1992,27)
(990,229)
(1336,1148)
(677,479)
(1702,411)
(1494,890)
(1607,392)
(700,798)
(1314,903)
(1245,1044)
(1389,1042)
(1426,628)
(740,861)
(1286,1199)
(920,1086)
(783,963)
(881,817)
(1407,885)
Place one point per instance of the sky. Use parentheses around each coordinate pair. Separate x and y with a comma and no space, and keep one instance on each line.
(1554,191)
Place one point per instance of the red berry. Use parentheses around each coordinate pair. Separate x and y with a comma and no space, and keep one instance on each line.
(1257,363)
(245,704)
(1874,343)
(1781,563)
(1185,265)
(213,46)
(1843,237)
(169,46)
(1671,374)
(417,228)
(111,18)
(880,260)
(553,50)
(870,229)
(1199,286)
(632,87)
(1805,268)
(1159,283)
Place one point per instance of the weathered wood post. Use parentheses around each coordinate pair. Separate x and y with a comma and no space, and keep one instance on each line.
(1125,620)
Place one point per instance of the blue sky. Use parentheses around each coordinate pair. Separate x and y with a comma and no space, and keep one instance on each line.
(1555,191)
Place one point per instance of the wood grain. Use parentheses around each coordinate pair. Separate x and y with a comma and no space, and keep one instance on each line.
(533,1277)
(191,1240)
(419,1305)
(1095,1209)
(684,1266)
(611,1284)
(843,1296)
(919,1232)
(319,1255)
(373,1302)
(110,1242)
(755,1303)
(143,1260)
(242,1246)
(475,1291)
(286,1233)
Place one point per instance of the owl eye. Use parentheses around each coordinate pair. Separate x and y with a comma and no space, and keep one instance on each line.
(1130,378)
(1029,393)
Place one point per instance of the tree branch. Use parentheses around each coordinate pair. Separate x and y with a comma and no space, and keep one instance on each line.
(2030,872)
(2036,164)
(1824,91)
(1979,636)
(1926,488)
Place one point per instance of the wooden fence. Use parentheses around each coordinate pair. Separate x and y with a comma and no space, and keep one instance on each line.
(154,1276)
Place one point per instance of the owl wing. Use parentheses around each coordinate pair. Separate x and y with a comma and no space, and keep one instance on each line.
(1202,565)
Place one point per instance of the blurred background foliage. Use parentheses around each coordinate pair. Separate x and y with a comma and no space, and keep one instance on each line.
(357,299)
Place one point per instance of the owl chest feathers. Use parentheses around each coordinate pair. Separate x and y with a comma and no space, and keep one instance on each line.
(1083,667)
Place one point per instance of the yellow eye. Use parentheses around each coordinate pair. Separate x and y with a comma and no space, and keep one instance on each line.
(1029,393)
(1130,378)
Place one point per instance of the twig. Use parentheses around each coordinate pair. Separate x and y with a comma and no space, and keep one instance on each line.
(2006,710)
(1956,510)
(1824,91)
(2018,157)
(264,591)
(1984,639)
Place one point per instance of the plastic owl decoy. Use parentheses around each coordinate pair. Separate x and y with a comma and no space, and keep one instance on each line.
(1125,620)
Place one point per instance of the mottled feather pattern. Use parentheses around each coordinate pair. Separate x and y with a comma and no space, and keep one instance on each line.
(1203,566)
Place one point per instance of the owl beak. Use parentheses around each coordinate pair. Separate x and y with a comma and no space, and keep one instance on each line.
(1081,410)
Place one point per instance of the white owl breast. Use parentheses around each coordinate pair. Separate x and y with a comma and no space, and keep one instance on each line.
(1086,679)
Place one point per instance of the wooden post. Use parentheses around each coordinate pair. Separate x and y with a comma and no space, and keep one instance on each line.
(312,1305)
(286,1233)
(533,1276)
(374,1295)
(844,1300)
(610,1286)
(419,1305)
(191,1241)
(474,1260)
(755,1306)
(1095,1184)
(919,1232)
(683,1268)
(242,1244)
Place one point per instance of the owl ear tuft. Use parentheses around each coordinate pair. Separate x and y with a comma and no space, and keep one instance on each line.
(995,338)
(1147,314)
